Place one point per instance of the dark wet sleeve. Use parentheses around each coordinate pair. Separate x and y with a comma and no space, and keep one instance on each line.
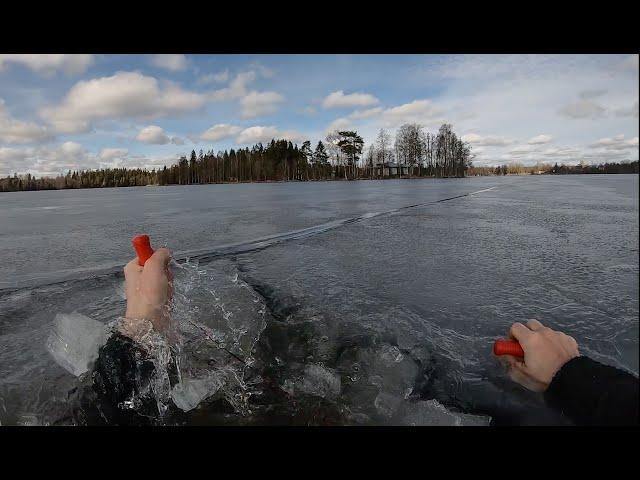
(591,393)
(121,372)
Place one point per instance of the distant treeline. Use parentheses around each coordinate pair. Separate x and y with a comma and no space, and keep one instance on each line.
(548,169)
(412,153)
(341,156)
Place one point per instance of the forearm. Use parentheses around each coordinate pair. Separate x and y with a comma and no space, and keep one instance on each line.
(591,393)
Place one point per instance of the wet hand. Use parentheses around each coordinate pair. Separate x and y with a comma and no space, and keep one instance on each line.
(545,352)
(148,288)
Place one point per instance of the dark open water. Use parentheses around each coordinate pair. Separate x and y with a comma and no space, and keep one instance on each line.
(361,302)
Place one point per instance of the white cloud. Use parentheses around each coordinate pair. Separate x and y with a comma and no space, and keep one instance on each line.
(292,135)
(486,66)
(256,134)
(540,139)
(58,159)
(616,143)
(489,141)
(220,131)
(607,149)
(601,156)
(171,62)
(489,95)
(628,112)
(220,77)
(630,63)
(502,90)
(12,160)
(528,154)
(561,152)
(124,94)
(237,87)
(72,149)
(260,134)
(338,99)
(368,121)
(418,111)
(256,104)
(589,94)
(47,64)
(340,124)
(361,114)
(262,70)
(153,135)
(522,150)
(111,154)
(582,109)
(18,131)
(177,141)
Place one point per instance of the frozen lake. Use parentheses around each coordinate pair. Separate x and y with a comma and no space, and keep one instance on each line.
(375,313)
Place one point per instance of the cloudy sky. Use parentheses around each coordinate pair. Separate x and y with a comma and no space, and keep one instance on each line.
(60,112)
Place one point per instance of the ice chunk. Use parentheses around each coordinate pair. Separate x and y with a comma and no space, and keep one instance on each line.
(432,412)
(29,420)
(390,354)
(75,340)
(191,391)
(387,404)
(321,382)
(288,387)
(219,319)
(221,302)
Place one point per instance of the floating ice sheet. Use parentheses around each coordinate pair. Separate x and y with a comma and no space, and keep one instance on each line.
(75,340)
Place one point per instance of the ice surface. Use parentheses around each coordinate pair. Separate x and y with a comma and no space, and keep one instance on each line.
(387,404)
(320,381)
(75,340)
(390,354)
(30,420)
(431,412)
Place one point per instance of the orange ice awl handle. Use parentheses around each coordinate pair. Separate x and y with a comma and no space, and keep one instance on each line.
(142,244)
(508,347)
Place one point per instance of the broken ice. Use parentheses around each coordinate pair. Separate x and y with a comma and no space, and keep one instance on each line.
(432,412)
(74,342)
(190,392)
(321,382)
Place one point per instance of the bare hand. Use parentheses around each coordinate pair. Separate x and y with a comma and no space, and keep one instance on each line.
(545,352)
(148,288)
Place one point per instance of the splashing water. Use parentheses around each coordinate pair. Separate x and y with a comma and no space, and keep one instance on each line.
(218,320)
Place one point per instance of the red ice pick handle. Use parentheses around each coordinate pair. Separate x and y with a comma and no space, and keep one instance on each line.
(142,244)
(508,347)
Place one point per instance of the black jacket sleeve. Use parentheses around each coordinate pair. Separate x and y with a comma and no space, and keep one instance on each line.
(121,389)
(591,393)
(122,375)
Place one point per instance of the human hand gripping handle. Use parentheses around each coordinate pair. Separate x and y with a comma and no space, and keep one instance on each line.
(148,283)
(544,352)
